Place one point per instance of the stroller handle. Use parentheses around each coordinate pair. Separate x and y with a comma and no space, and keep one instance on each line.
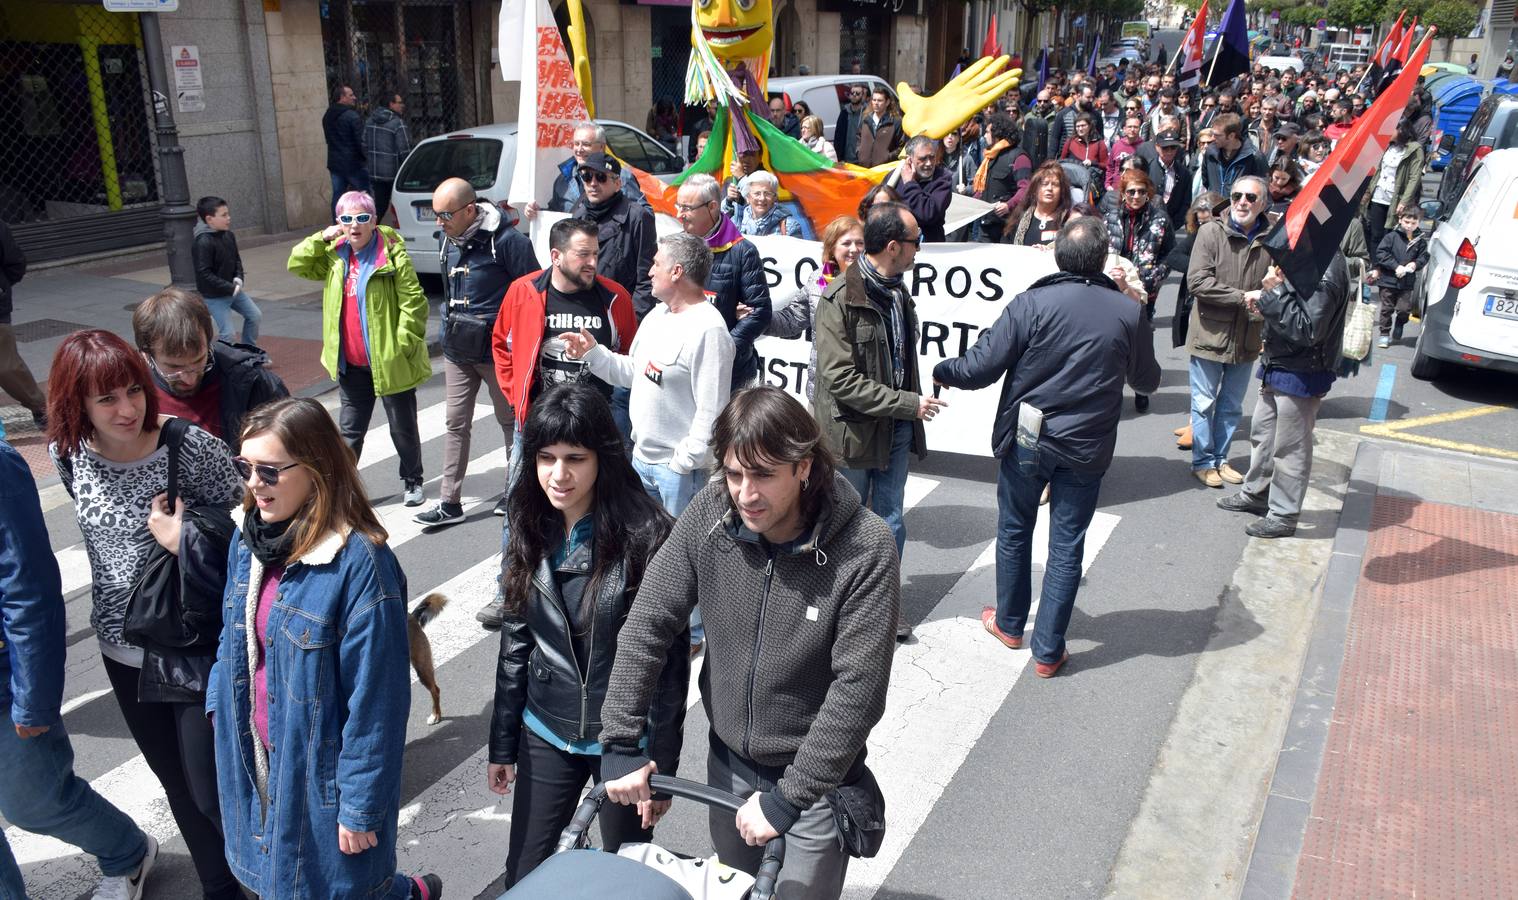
(575,836)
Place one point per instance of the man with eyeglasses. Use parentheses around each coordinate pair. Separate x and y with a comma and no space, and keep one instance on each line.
(870,399)
(846,130)
(588,138)
(481,256)
(198,378)
(1229,270)
(925,186)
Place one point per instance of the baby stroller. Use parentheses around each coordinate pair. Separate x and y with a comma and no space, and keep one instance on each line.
(576,871)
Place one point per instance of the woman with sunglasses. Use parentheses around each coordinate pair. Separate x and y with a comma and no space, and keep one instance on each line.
(374,327)
(1139,230)
(582,532)
(105,434)
(311,689)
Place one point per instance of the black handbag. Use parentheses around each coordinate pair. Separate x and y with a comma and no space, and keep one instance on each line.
(158,613)
(468,337)
(859,813)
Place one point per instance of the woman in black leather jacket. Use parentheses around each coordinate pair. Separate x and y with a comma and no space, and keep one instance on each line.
(582,532)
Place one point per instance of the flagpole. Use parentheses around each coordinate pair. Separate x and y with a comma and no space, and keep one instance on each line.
(1215,53)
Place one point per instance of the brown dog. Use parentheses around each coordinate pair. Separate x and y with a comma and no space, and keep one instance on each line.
(425,611)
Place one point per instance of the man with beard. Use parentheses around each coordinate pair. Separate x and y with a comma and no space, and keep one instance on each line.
(209,382)
(925,187)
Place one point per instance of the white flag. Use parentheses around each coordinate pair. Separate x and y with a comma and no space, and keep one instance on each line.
(550,106)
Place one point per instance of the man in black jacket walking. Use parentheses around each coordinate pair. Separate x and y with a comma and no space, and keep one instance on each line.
(1304,339)
(801,589)
(625,229)
(209,382)
(344,130)
(1066,345)
(481,256)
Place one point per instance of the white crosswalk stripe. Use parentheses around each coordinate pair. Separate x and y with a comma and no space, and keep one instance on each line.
(945,687)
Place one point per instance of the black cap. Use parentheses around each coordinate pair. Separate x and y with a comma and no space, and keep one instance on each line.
(1288,129)
(600,162)
(1167,139)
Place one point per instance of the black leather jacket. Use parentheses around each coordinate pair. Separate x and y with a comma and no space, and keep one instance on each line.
(1307,335)
(537,668)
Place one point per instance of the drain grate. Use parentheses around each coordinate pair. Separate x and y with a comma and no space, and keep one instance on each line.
(42,329)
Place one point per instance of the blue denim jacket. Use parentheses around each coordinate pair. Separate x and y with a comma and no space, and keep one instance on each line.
(339,695)
(32,622)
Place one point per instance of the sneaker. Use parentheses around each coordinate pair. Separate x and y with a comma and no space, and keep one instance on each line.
(500,507)
(1397,333)
(1141,402)
(696,647)
(129,887)
(1229,474)
(1209,477)
(415,496)
(1242,502)
(492,614)
(426,887)
(988,621)
(903,632)
(1270,527)
(1047,670)
(440,515)
(1383,341)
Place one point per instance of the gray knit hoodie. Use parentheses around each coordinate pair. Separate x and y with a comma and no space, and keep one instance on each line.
(799,642)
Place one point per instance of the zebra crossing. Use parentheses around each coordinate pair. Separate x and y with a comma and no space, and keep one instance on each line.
(945,687)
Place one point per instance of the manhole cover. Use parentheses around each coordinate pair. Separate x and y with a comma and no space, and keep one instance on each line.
(42,329)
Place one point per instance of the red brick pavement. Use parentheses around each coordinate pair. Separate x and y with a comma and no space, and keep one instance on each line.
(1418,794)
(296,360)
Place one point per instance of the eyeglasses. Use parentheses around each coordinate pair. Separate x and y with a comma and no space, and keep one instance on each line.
(174,373)
(269,475)
(691,207)
(1236,196)
(917,242)
(446,215)
(588,176)
(361,218)
(1135,192)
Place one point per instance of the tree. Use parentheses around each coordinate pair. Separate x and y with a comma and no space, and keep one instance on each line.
(1453,18)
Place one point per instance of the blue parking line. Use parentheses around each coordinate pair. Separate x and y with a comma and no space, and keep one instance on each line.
(1383,393)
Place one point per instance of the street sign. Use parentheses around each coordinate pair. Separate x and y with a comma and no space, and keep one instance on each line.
(141,6)
(189,88)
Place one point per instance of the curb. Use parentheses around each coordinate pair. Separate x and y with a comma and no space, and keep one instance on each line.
(1272,870)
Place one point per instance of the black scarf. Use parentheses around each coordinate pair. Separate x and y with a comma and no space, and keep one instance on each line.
(598,212)
(269,542)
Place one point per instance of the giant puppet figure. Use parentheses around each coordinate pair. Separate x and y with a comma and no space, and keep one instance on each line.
(731,43)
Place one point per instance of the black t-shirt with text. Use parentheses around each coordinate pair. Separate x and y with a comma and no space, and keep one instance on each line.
(570,312)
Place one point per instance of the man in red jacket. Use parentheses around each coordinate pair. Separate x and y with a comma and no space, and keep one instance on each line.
(529,356)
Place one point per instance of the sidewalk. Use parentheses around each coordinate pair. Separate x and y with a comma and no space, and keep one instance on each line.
(52,303)
(1396,774)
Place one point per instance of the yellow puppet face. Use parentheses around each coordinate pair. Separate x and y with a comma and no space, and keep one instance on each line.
(737,29)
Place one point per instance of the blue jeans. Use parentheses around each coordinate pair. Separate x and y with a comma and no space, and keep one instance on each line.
(40,793)
(1072,503)
(1217,404)
(884,491)
(240,303)
(349,181)
(674,492)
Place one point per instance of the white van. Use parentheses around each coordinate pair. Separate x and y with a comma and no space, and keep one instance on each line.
(484,157)
(1469,295)
(825,95)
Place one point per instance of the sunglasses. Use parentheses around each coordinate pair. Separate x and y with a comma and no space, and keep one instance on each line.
(1136,192)
(588,176)
(269,475)
(361,218)
(446,215)
(1236,196)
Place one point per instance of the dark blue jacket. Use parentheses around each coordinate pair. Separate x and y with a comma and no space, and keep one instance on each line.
(627,245)
(476,275)
(32,624)
(344,131)
(737,276)
(1066,345)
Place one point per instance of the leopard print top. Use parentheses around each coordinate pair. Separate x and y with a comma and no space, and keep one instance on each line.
(112,501)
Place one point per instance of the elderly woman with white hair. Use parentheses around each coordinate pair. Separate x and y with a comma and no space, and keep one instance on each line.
(763,213)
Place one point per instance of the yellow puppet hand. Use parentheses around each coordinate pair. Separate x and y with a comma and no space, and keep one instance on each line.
(970,91)
(579,56)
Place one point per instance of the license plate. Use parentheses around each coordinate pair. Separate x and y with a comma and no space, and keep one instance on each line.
(1501,307)
(424,213)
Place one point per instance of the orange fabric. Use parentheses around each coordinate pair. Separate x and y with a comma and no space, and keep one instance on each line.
(827,194)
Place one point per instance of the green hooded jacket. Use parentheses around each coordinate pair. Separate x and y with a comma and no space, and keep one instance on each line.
(395,309)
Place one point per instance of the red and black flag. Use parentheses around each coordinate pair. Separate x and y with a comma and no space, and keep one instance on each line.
(1382,60)
(1305,239)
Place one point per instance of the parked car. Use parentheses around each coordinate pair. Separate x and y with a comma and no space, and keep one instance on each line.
(485,156)
(1468,295)
(825,95)
(1282,62)
(1494,126)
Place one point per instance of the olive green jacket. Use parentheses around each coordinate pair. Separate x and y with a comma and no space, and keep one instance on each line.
(394,307)
(1409,187)
(1224,265)
(854,402)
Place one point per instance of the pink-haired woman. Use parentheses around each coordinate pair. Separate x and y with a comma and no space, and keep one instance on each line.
(374,327)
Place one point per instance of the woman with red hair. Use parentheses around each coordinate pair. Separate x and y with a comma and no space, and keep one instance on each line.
(106,438)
